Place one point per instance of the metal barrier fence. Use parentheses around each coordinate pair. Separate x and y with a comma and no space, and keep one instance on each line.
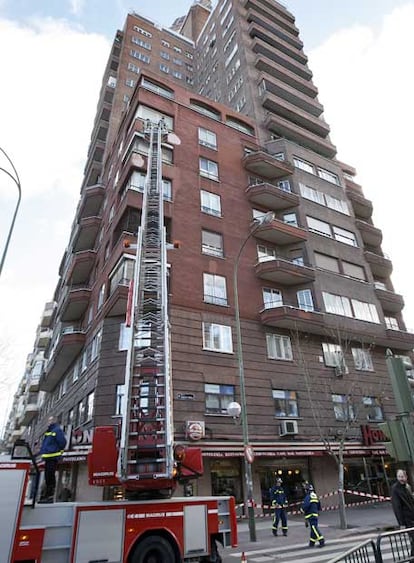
(396,547)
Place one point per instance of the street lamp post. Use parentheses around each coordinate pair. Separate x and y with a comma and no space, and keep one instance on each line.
(16,180)
(265,219)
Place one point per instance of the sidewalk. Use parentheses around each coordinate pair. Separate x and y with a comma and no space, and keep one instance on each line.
(371,519)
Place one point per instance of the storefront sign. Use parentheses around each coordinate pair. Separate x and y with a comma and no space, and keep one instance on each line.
(371,436)
(273,453)
(194,430)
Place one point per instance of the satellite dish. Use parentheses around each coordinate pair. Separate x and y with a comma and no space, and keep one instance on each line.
(173,139)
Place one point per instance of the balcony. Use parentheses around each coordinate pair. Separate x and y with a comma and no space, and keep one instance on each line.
(284,272)
(274,11)
(372,236)
(381,266)
(390,301)
(44,337)
(290,94)
(91,201)
(75,303)
(69,345)
(285,128)
(116,304)
(293,318)
(278,71)
(280,233)
(81,266)
(256,29)
(271,197)
(261,47)
(291,112)
(16,434)
(361,205)
(398,340)
(48,314)
(33,383)
(266,165)
(86,233)
(31,410)
(267,22)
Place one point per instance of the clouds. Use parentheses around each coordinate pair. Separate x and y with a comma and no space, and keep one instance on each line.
(53,72)
(366,85)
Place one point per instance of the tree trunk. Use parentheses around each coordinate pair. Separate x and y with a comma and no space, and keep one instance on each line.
(342,509)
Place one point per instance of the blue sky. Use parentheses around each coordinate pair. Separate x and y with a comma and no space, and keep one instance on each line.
(359,51)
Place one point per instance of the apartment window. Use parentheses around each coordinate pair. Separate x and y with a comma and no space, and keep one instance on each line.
(337,304)
(218,398)
(119,401)
(279,347)
(303,165)
(140,56)
(212,243)
(392,323)
(373,409)
(166,189)
(133,68)
(141,43)
(342,235)
(343,407)
(328,176)
(207,138)
(286,403)
(75,375)
(112,82)
(165,55)
(210,203)
(177,49)
(312,194)
(333,355)
(215,289)
(362,359)
(319,227)
(145,112)
(90,399)
(101,296)
(365,311)
(96,345)
(177,74)
(208,169)
(164,68)
(121,274)
(272,298)
(337,204)
(327,262)
(124,337)
(160,90)
(81,412)
(165,43)
(284,185)
(305,300)
(217,337)
(129,82)
(142,31)
(189,55)
(177,62)
(290,219)
(265,253)
(353,270)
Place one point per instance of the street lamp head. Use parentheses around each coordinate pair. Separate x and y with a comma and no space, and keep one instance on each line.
(265,219)
(234,410)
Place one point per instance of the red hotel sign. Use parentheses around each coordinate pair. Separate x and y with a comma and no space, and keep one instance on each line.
(371,436)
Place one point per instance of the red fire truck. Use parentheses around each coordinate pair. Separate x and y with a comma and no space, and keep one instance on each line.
(153,526)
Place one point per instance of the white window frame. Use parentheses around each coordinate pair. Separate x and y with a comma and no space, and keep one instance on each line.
(343,407)
(217,338)
(265,253)
(272,298)
(330,177)
(362,359)
(303,165)
(207,138)
(217,251)
(210,203)
(337,304)
(208,169)
(224,394)
(279,347)
(333,355)
(305,299)
(344,236)
(214,289)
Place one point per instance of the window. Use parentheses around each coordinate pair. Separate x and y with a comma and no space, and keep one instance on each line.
(121,274)
(342,235)
(279,347)
(333,355)
(208,169)
(328,176)
(392,323)
(101,296)
(141,43)
(373,408)
(177,49)
(89,405)
(343,407)
(140,56)
(217,337)
(142,31)
(319,227)
(210,203)
(365,311)
(290,219)
(129,82)
(305,300)
(81,411)
(239,125)
(353,270)
(303,165)
(212,243)
(112,82)
(177,74)
(164,68)
(337,304)
(207,138)
(215,289)
(96,345)
(286,403)
(161,90)
(165,55)
(362,359)
(265,253)
(133,68)
(218,398)
(312,194)
(284,185)
(272,298)
(327,262)
(120,397)
(337,204)
(75,375)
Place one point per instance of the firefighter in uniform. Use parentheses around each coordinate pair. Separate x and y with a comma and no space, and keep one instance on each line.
(279,502)
(53,444)
(311,506)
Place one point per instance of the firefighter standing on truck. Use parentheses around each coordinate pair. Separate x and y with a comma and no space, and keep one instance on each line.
(279,503)
(311,506)
(53,444)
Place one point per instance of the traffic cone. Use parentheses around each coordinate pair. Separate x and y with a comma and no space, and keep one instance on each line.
(243,558)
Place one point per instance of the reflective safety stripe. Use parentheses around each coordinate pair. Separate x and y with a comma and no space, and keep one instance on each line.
(310,515)
(55,454)
(50,433)
(317,534)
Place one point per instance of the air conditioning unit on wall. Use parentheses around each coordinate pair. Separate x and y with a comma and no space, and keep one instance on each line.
(288,427)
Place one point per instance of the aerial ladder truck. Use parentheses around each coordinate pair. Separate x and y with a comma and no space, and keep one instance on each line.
(152,526)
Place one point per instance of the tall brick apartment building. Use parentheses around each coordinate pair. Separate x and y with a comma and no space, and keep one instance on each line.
(317,304)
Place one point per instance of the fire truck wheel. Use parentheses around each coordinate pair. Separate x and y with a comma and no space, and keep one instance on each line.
(154,549)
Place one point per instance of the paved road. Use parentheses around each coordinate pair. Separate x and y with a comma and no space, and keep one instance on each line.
(364,523)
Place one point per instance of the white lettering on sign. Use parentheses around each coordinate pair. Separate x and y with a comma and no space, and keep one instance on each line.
(104,474)
(81,437)
(8,466)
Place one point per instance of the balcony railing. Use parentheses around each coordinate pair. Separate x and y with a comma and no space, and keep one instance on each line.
(285,272)
(272,197)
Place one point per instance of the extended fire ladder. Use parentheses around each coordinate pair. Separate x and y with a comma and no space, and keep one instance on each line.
(146,448)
